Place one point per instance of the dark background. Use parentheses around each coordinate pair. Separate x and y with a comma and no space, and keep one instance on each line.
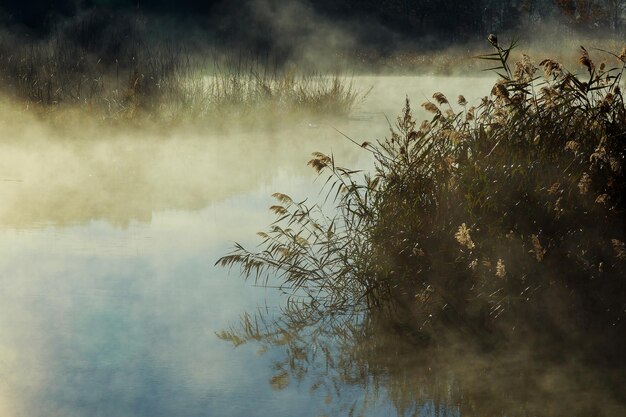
(260,24)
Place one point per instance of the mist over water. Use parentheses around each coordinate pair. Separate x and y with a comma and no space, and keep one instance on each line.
(110,299)
(111,304)
(72,174)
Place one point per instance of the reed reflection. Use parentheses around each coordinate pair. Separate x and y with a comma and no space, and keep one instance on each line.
(367,363)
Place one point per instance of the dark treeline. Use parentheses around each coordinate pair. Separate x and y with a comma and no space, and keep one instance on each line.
(442,20)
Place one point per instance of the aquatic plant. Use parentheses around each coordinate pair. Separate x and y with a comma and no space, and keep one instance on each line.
(504,218)
(79,67)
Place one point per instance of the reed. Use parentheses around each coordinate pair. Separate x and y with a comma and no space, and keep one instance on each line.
(79,67)
(505,217)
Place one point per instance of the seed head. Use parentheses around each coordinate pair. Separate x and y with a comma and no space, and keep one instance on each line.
(551,68)
(430,107)
(499,90)
(463,237)
(538,250)
(572,145)
(500,269)
(586,60)
(493,40)
(620,249)
(602,199)
(584,183)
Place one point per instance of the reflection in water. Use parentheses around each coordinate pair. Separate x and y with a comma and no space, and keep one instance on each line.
(337,355)
(99,321)
(124,177)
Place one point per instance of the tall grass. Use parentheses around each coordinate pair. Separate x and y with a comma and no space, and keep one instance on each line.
(497,219)
(114,70)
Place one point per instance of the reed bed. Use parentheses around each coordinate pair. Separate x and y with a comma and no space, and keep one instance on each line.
(149,79)
(499,219)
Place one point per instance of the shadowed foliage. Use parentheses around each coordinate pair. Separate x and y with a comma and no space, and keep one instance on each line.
(505,218)
(497,227)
